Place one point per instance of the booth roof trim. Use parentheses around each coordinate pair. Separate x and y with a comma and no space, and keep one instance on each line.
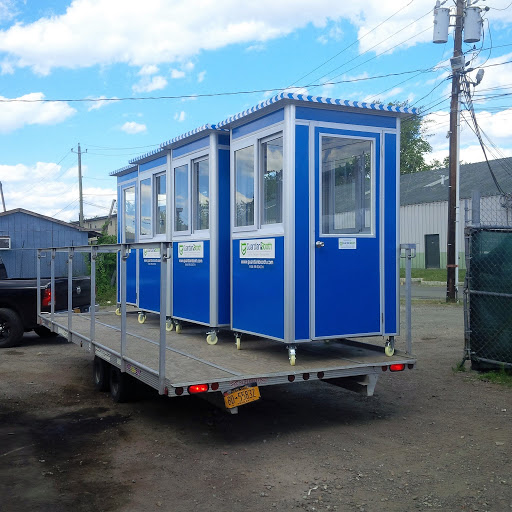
(284,97)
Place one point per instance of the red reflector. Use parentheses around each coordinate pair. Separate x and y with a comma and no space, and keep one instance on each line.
(198,388)
(46,298)
(305,376)
(215,386)
(179,391)
(384,368)
(320,375)
(291,378)
(397,367)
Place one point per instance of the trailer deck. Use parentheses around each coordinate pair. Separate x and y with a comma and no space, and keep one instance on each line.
(189,360)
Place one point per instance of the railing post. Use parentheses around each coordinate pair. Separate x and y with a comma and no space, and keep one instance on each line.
(124,256)
(52,286)
(164,257)
(38,283)
(70,291)
(92,312)
(410,253)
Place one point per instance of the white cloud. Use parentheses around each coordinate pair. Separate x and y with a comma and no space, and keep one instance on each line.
(168,33)
(256,48)
(148,69)
(99,102)
(175,73)
(131,127)
(29,109)
(201,76)
(335,33)
(180,116)
(147,85)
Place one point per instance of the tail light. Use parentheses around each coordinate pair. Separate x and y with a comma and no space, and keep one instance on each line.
(397,367)
(198,388)
(46,298)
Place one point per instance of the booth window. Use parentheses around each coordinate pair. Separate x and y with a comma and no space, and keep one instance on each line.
(347,188)
(181,198)
(244,186)
(272,172)
(161,204)
(145,207)
(129,215)
(201,194)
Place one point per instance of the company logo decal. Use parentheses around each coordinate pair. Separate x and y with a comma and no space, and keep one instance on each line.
(260,248)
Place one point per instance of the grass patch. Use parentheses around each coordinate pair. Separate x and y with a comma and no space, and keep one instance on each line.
(501,376)
(432,274)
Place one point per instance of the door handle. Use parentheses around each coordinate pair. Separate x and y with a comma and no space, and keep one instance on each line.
(319,243)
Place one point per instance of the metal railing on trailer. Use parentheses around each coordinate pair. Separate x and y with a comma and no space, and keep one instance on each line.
(119,358)
(194,367)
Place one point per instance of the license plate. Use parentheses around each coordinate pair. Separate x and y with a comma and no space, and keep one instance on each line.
(241,396)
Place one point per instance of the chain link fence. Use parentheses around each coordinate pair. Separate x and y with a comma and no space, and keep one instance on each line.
(488,285)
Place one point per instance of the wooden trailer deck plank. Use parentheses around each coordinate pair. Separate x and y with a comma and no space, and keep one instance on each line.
(190,359)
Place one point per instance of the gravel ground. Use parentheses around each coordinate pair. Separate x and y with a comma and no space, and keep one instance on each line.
(430,439)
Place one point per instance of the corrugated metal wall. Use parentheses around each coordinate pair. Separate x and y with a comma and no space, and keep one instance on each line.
(29,233)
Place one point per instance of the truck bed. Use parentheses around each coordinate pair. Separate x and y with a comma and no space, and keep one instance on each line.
(190,360)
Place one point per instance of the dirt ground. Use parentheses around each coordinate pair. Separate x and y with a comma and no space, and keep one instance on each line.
(430,439)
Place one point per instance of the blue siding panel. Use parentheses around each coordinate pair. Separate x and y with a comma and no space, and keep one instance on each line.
(224,140)
(258,124)
(192,146)
(153,163)
(127,177)
(335,116)
(302,233)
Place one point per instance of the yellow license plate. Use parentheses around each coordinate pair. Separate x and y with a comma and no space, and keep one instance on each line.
(241,396)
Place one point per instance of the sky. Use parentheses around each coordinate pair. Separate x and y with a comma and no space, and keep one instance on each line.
(102,68)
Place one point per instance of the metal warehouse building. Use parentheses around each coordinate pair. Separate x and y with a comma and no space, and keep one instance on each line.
(23,231)
(424,207)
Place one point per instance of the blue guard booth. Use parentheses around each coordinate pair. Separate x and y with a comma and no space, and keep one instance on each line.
(189,177)
(315,220)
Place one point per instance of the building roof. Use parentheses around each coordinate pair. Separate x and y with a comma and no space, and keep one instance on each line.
(432,186)
(280,100)
(38,215)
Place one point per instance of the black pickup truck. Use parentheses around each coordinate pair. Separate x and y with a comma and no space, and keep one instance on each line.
(18,304)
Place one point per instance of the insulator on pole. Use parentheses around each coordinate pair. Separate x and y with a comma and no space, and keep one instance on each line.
(441,24)
(473,25)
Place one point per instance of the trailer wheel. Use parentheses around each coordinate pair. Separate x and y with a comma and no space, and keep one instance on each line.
(101,371)
(389,350)
(141,318)
(11,328)
(169,325)
(212,338)
(120,385)
(44,332)
(118,311)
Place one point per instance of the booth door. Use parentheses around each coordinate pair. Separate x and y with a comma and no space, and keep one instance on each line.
(347,281)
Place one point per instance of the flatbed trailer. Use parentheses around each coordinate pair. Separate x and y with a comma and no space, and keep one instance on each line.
(180,364)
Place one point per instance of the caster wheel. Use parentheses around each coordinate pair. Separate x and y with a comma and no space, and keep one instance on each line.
(178,328)
(212,339)
(169,326)
(389,350)
(141,318)
(118,311)
(292,359)
(238,342)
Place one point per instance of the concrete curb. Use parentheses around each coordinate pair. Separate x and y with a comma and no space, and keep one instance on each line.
(420,280)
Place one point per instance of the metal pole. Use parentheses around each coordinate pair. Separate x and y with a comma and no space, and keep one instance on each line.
(70,291)
(163,317)
(81,197)
(92,308)
(124,257)
(2,194)
(408,296)
(52,286)
(38,281)
(454,158)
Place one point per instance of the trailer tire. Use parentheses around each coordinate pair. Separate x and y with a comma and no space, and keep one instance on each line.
(101,374)
(44,332)
(121,385)
(11,328)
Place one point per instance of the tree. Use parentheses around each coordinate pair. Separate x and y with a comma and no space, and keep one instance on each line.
(413,145)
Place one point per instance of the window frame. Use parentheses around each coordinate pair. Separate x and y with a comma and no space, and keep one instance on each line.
(143,178)
(133,186)
(256,139)
(195,195)
(160,236)
(373,177)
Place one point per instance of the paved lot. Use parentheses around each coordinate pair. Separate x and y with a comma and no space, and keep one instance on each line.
(430,439)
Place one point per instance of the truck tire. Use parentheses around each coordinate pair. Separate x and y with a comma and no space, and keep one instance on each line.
(44,332)
(11,328)
(121,385)
(101,374)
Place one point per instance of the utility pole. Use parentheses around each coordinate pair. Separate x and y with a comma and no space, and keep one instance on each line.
(2,194)
(453,207)
(80,195)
